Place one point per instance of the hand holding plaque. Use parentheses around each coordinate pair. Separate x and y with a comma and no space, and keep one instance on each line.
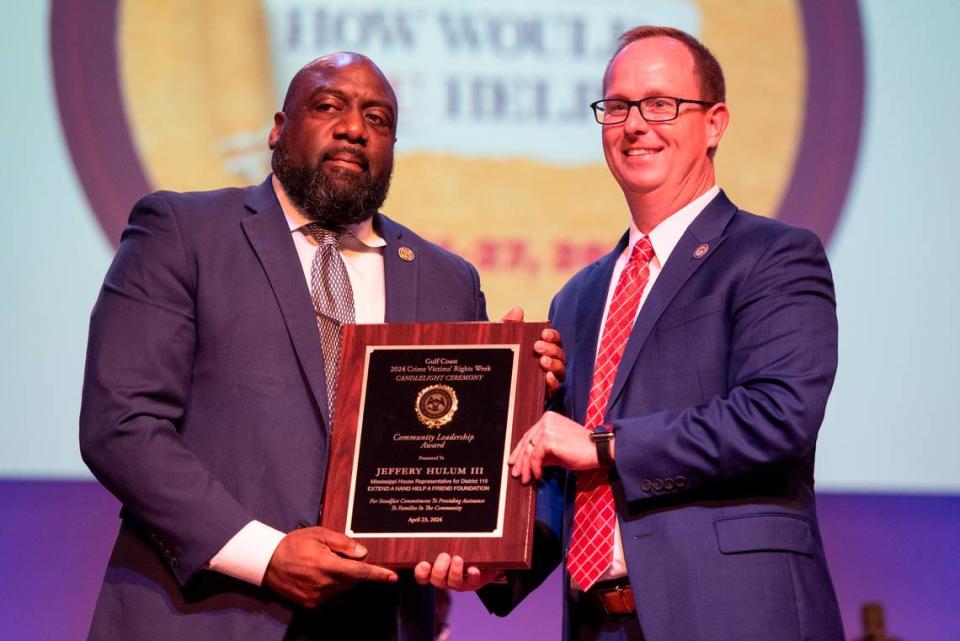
(426,416)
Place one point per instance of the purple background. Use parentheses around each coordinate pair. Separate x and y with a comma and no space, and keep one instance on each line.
(55,537)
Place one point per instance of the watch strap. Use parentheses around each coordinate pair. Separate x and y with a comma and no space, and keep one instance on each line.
(601,436)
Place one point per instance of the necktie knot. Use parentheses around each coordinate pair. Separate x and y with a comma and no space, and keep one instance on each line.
(642,251)
(324,236)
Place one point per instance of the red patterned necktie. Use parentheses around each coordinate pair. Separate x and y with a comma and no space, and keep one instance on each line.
(591,544)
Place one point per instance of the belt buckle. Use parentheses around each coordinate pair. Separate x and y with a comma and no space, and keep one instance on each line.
(618,590)
(616,601)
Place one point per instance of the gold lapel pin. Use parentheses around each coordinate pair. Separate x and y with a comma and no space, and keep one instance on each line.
(701,251)
(405,253)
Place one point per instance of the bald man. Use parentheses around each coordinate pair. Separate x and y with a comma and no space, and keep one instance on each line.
(206,401)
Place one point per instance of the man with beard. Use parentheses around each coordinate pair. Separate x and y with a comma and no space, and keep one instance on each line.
(211,374)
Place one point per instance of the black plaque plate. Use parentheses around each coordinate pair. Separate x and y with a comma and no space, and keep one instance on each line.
(426,417)
(432,441)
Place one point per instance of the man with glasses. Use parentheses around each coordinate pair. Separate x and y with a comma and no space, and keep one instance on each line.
(701,353)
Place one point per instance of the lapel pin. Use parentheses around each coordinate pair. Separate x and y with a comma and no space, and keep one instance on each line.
(405,253)
(701,251)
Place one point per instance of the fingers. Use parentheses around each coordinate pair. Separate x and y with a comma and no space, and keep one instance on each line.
(522,467)
(349,570)
(515,454)
(305,568)
(553,379)
(551,364)
(551,344)
(450,573)
(475,578)
(529,465)
(437,573)
(526,442)
(518,458)
(535,462)
(339,543)
(525,452)
(552,336)
(438,576)
(514,315)
(469,578)
(455,578)
(421,572)
(552,359)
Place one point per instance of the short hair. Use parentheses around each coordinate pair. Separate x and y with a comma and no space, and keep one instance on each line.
(705,64)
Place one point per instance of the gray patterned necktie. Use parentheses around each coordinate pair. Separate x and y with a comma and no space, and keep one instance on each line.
(332,301)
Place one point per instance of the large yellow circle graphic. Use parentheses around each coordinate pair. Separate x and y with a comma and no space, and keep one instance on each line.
(200,92)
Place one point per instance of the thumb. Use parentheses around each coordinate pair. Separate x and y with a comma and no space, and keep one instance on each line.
(514,315)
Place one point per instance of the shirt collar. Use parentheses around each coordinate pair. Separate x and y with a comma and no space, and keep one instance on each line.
(665,236)
(364,232)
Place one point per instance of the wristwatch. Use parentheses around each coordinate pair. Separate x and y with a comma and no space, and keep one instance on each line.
(601,435)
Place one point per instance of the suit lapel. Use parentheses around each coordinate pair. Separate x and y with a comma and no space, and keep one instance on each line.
(400,276)
(706,228)
(269,235)
(593,295)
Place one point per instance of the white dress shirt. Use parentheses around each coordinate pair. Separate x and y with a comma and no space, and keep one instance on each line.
(247,554)
(664,237)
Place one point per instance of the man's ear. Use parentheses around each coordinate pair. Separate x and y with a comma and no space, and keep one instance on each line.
(718,117)
(279,119)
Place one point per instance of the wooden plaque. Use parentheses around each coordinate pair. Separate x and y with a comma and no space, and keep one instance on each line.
(425,419)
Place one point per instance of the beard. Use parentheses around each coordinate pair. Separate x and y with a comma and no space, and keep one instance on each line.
(333,197)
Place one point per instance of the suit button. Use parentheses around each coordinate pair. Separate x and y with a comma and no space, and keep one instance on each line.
(645,485)
(657,485)
(680,481)
(667,485)
(303,524)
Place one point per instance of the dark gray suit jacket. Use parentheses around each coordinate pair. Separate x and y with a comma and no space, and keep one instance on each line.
(204,407)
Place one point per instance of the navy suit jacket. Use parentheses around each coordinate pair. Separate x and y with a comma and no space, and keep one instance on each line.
(716,407)
(204,407)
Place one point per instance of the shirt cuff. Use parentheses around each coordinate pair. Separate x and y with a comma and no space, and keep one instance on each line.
(247,555)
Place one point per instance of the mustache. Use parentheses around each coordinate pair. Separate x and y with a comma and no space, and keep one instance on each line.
(347,150)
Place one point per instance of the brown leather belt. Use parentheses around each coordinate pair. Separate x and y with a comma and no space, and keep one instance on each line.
(612,598)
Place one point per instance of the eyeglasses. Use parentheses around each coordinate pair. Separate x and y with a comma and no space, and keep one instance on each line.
(653,109)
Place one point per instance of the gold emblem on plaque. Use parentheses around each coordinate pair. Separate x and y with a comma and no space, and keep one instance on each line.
(436,405)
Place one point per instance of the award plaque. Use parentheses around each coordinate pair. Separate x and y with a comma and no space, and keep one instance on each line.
(425,419)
